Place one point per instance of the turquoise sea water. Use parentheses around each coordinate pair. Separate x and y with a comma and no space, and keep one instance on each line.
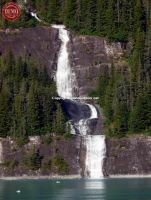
(107,189)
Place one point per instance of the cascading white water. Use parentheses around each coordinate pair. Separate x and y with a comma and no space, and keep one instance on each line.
(83,123)
(64,77)
(95,154)
(95,144)
(95,151)
(35,16)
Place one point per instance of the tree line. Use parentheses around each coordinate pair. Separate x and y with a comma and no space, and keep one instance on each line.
(116,19)
(26,104)
(125,95)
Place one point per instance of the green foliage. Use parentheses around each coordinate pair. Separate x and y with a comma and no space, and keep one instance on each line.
(27,107)
(140,119)
(46,139)
(53,12)
(93,93)
(21,140)
(125,97)
(59,125)
(46,163)
(26,20)
(10,164)
(60,164)
(32,159)
(118,20)
(120,36)
(68,134)
(26,91)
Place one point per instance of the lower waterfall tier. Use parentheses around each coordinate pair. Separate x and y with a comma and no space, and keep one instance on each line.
(95,154)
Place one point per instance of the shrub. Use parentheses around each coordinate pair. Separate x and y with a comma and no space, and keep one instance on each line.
(33,159)
(68,136)
(60,164)
(46,163)
(46,139)
(11,164)
(119,37)
(21,140)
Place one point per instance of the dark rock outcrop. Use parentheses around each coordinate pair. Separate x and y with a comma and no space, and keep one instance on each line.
(91,57)
(128,156)
(40,43)
(76,111)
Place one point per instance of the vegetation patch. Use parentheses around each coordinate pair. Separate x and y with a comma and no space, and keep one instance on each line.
(60,165)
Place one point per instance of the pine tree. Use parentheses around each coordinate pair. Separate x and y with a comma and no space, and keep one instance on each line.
(52,11)
(4,112)
(139,17)
(69,11)
(100,16)
(110,20)
(10,63)
(32,111)
(91,16)
(59,120)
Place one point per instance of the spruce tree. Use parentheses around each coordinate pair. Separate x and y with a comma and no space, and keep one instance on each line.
(100,17)
(52,11)
(32,110)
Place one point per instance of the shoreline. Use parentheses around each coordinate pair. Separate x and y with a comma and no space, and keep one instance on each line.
(131,176)
(55,177)
(69,177)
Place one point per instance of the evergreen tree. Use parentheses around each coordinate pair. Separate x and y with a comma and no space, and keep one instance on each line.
(52,11)
(140,119)
(69,11)
(59,120)
(100,16)
(32,110)
(110,19)
(4,112)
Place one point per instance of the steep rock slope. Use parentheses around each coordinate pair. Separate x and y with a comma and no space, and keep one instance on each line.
(18,161)
(128,156)
(92,56)
(39,42)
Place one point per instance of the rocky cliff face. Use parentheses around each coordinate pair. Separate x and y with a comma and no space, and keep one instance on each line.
(128,156)
(13,159)
(39,43)
(91,57)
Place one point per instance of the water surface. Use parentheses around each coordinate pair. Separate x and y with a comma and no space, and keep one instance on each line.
(106,189)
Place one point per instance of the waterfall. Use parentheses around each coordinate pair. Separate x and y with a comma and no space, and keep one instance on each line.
(35,16)
(64,76)
(95,151)
(82,125)
(95,154)
(65,81)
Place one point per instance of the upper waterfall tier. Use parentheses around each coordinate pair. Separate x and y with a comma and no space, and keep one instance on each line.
(64,78)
